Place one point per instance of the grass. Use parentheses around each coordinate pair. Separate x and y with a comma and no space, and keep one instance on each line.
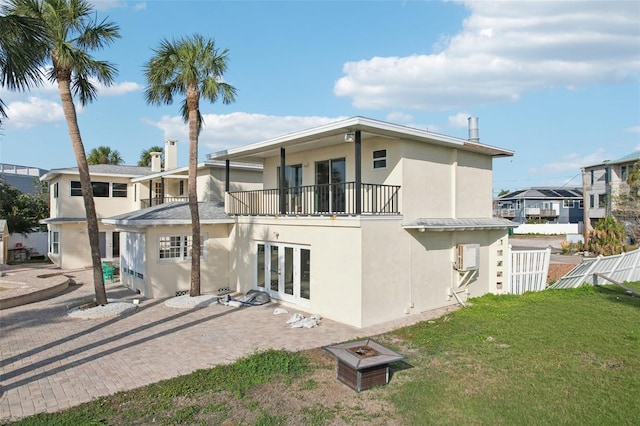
(568,357)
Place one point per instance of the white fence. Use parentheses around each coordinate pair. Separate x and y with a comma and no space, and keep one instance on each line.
(548,228)
(528,270)
(622,267)
(35,241)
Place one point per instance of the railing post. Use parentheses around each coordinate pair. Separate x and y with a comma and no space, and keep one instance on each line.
(358,170)
(283,204)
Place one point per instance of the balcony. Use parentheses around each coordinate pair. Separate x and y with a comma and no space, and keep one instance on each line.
(506,213)
(312,200)
(151,202)
(539,212)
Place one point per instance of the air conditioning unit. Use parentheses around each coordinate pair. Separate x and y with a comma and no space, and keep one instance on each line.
(467,257)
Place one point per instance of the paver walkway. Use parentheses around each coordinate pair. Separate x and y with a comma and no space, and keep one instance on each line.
(50,361)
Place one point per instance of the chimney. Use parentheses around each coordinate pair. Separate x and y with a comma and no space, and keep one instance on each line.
(156,162)
(170,154)
(474,136)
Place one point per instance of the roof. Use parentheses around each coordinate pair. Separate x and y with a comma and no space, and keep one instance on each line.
(63,220)
(334,134)
(172,214)
(181,172)
(629,158)
(451,224)
(544,193)
(100,170)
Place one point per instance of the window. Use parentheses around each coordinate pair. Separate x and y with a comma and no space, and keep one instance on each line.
(100,189)
(592,201)
(581,205)
(119,190)
(178,247)
(181,187)
(568,204)
(54,242)
(606,175)
(76,190)
(592,176)
(380,159)
(55,190)
(623,173)
(157,187)
(602,200)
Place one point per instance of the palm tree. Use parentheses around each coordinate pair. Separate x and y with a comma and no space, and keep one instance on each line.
(145,155)
(104,155)
(72,31)
(20,60)
(191,67)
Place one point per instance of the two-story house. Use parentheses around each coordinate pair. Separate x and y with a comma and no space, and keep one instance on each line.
(545,204)
(603,182)
(118,190)
(364,221)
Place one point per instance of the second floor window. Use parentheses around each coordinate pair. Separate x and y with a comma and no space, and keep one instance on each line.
(119,190)
(592,201)
(181,188)
(623,173)
(602,200)
(380,159)
(567,204)
(55,190)
(593,176)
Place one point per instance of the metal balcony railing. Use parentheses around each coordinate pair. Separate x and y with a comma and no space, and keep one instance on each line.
(329,199)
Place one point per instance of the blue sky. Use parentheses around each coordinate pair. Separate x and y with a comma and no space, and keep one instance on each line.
(558,82)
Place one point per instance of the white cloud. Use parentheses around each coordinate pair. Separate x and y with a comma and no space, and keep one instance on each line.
(504,50)
(118,89)
(239,128)
(140,6)
(570,163)
(108,4)
(32,112)
(634,129)
(461,119)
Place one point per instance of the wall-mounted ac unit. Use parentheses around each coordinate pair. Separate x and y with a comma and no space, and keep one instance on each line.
(467,257)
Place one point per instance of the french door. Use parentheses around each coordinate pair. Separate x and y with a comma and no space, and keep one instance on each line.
(284,271)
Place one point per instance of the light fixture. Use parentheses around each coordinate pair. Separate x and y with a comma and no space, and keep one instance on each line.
(349,137)
(422,229)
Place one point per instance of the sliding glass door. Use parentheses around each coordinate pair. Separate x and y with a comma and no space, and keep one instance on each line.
(330,179)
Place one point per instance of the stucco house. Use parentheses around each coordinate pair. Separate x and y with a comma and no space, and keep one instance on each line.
(360,221)
(364,221)
(123,189)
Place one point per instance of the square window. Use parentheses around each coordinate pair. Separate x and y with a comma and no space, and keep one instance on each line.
(76,189)
(119,190)
(100,189)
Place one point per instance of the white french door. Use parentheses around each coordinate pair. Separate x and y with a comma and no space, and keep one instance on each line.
(284,271)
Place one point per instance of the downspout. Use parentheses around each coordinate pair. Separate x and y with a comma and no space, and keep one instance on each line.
(283,204)
(454,183)
(585,212)
(358,170)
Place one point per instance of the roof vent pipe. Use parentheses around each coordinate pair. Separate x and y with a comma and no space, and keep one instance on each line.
(474,136)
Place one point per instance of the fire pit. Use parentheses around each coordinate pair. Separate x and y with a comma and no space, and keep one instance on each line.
(363,364)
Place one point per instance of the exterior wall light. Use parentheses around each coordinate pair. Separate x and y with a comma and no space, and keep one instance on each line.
(349,137)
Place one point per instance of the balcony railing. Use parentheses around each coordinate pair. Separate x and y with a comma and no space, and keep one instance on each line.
(329,199)
(507,213)
(150,202)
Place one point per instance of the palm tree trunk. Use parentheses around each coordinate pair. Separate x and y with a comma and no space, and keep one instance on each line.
(64,85)
(193,98)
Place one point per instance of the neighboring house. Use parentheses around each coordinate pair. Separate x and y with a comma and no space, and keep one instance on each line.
(603,182)
(118,190)
(551,205)
(363,221)
(22,178)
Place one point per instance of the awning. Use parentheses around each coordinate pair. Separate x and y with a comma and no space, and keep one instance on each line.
(451,224)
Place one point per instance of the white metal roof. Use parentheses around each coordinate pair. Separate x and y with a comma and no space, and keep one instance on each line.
(333,134)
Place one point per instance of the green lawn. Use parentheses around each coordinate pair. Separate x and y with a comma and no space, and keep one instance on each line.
(568,357)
